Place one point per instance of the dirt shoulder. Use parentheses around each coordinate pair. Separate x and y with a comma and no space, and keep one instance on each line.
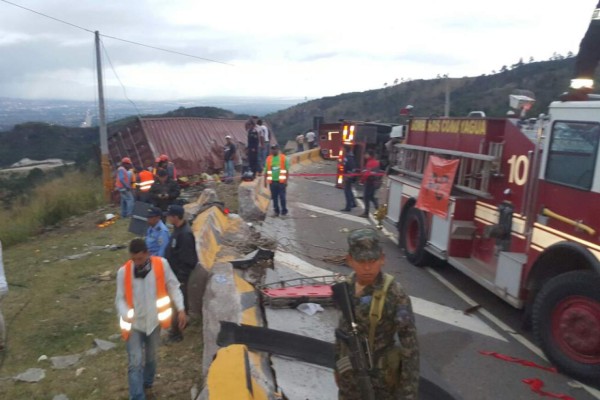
(57,307)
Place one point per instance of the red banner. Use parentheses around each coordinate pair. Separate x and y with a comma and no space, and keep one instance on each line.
(437,185)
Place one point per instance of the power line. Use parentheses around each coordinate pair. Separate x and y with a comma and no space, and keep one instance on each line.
(119,79)
(114,37)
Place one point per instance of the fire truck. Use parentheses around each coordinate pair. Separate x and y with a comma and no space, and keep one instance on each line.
(523,218)
(358,137)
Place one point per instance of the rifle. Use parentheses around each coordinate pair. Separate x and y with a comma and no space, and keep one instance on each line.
(360,354)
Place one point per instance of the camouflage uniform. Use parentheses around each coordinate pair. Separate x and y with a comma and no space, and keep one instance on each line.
(389,381)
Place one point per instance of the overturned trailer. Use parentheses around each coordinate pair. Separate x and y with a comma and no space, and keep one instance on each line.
(195,145)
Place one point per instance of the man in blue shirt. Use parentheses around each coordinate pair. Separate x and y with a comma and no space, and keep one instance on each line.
(157,236)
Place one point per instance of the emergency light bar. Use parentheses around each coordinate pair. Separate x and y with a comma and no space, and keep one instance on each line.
(582,83)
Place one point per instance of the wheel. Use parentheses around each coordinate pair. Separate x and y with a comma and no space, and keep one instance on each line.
(413,237)
(566,323)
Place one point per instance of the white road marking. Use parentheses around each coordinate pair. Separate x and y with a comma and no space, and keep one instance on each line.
(338,214)
(422,307)
(331,184)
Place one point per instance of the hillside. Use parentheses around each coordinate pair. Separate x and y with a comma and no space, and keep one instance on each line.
(547,79)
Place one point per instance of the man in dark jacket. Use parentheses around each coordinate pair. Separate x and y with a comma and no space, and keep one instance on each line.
(182,257)
(349,168)
(164,191)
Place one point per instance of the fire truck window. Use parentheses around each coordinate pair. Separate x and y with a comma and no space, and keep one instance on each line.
(572,155)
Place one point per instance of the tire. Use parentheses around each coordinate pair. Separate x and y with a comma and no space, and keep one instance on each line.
(413,237)
(566,323)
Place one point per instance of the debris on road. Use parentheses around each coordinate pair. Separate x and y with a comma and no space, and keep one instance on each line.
(309,309)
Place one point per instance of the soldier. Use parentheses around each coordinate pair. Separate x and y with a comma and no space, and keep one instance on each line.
(395,368)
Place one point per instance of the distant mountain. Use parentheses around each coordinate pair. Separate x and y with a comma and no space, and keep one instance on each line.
(73,113)
(489,93)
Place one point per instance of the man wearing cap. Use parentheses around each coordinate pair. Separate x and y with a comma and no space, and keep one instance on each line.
(228,156)
(383,314)
(164,191)
(163,162)
(276,175)
(124,186)
(157,235)
(182,256)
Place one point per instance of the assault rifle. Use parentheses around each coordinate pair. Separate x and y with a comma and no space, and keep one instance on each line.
(360,354)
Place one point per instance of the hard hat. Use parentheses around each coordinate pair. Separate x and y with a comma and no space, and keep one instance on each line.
(157,159)
(164,157)
(126,160)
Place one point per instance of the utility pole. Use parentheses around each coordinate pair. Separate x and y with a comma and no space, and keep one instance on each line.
(105,164)
(447,102)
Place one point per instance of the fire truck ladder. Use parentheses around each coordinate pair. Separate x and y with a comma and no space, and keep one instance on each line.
(474,170)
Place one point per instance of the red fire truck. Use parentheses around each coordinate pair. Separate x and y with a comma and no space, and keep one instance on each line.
(523,219)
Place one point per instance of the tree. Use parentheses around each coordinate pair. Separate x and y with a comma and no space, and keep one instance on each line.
(396,81)
(385,84)
(517,64)
(570,54)
(530,59)
(503,69)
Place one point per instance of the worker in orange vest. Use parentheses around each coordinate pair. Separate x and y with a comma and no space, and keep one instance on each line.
(124,184)
(145,182)
(146,286)
(276,175)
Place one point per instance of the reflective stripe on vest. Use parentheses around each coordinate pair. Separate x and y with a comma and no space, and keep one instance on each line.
(163,302)
(118,183)
(282,171)
(146,181)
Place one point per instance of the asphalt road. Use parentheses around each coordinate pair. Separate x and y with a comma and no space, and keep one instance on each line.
(450,341)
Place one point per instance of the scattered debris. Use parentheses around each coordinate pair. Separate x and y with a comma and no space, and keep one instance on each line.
(344,230)
(32,375)
(60,397)
(109,219)
(78,256)
(309,308)
(62,362)
(312,216)
(79,371)
(92,352)
(252,258)
(104,276)
(43,358)
(104,345)
(471,310)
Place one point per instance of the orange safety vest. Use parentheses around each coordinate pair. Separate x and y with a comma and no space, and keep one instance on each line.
(118,183)
(282,170)
(146,181)
(163,302)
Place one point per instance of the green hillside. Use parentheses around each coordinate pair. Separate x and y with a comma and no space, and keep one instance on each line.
(489,93)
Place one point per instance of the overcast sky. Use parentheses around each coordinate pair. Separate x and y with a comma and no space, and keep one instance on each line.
(277,48)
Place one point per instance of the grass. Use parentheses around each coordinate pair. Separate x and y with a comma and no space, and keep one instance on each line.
(57,307)
(51,202)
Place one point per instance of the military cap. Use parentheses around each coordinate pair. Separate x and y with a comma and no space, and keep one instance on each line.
(363,244)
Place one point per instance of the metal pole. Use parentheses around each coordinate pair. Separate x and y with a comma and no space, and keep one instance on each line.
(447,102)
(104,162)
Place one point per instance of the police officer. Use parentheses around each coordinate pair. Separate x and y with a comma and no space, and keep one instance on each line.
(157,235)
(349,168)
(395,372)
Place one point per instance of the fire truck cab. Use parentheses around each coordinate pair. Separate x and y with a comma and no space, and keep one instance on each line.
(523,218)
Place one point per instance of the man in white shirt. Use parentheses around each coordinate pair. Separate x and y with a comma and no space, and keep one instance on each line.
(310,139)
(146,286)
(263,133)
(3,292)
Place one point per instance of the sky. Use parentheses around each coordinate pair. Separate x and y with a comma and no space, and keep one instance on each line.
(271,48)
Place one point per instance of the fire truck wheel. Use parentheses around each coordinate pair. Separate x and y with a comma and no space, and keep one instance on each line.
(566,323)
(413,237)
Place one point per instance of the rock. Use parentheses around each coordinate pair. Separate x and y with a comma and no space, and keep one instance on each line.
(116,336)
(60,397)
(252,204)
(32,375)
(43,358)
(194,392)
(92,352)
(104,345)
(62,362)
(79,371)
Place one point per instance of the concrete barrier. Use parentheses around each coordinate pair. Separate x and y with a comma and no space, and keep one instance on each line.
(308,155)
(229,297)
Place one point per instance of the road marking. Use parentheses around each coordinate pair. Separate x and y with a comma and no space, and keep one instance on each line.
(332,213)
(330,184)
(421,307)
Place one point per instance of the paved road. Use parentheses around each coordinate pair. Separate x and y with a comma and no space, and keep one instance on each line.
(449,340)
